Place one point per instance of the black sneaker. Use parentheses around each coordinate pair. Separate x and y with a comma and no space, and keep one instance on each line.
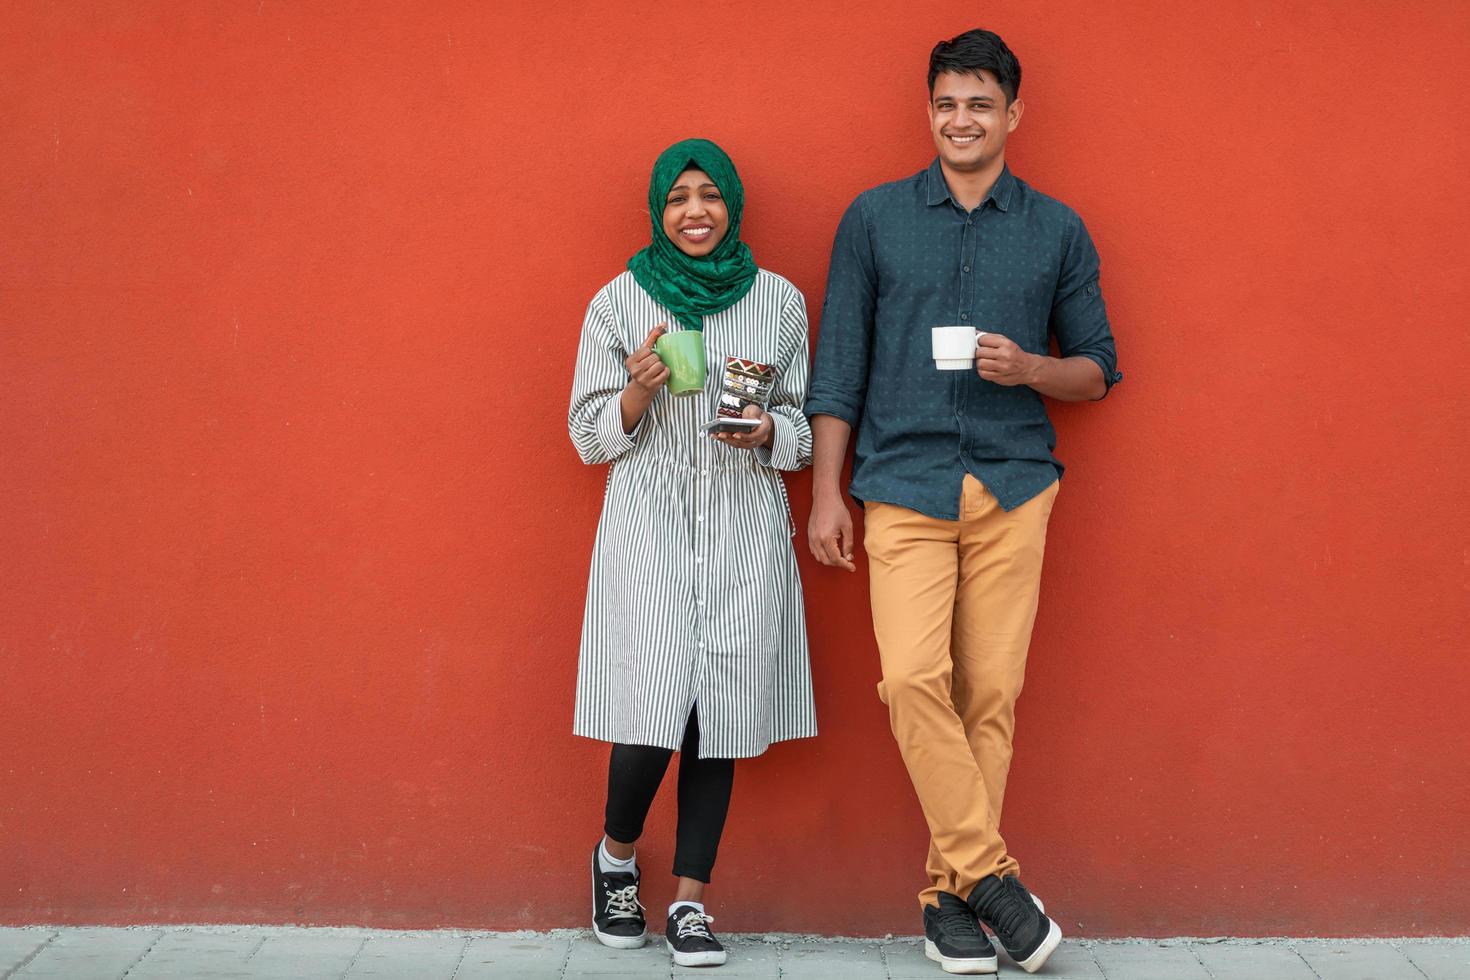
(1020,926)
(954,940)
(690,941)
(617,915)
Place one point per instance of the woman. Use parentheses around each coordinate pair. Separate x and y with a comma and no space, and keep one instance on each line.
(694,637)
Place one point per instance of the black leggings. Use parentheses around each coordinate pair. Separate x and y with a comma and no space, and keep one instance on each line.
(633,775)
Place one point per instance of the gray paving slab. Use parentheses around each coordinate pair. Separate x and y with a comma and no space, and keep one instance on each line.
(307,954)
(748,958)
(1135,960)
(1071,961)
(214,954)
(839,961)
(1438,959)
(1252,961)
(430,956)
(91,953)
(18,945)
(905,960)
(1354,961)
(520,955)
(589,956)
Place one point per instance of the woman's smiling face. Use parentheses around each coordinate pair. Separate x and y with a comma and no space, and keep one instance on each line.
(695,217)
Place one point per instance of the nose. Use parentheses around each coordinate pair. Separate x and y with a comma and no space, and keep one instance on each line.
(695,208)
(961,117)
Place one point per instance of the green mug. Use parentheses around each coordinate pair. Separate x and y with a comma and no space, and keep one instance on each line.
(683,352)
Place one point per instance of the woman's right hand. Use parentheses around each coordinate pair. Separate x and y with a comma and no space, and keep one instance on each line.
(646,373)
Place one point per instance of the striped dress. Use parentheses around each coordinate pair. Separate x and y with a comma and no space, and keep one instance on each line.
(693,596)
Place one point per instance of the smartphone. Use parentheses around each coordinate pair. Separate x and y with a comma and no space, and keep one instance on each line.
(730,425)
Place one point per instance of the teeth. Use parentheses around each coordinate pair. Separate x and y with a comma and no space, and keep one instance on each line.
(964,139)
(696,232)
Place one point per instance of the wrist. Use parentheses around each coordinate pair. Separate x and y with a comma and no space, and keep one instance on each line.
(1036,368)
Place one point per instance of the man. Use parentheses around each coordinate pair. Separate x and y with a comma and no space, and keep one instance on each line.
(955,469)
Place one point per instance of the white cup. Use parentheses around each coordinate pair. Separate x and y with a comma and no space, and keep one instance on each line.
(954,347)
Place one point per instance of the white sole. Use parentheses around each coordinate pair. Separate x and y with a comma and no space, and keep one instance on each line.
(713,957)
(620,942)
(954,964)
(1048,946)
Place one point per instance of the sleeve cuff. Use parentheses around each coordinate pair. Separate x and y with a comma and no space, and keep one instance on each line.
(615,442)
(781,453)
(1111,376)
(819,406)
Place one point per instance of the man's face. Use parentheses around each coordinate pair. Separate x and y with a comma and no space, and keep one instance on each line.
(970,119)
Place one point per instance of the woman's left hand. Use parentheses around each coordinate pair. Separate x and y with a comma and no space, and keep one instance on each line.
(761,435)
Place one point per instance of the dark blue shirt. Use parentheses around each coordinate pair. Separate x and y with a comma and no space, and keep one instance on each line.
(907,258)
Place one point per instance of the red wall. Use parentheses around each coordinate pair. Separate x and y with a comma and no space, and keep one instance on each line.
(294,542)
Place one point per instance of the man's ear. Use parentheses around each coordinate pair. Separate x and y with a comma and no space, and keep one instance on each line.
(1013,114)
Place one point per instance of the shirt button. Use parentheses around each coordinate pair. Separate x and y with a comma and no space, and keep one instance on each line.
(699,560)
(964,316)
(701,644)
(704,472)
(700,518)
(699,602)
(965,269)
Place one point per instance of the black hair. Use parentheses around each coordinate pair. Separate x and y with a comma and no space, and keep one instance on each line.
(972,52)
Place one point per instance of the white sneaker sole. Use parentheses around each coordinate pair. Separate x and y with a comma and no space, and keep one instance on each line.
(1048,946)
(620,942)
(712,957)
(954,964)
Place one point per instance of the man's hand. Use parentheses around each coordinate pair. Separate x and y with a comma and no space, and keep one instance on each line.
(761,435)
(646,373)
(829,532)
(999,359)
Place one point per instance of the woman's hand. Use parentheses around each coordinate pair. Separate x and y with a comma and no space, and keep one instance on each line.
(646,373)
(761,435)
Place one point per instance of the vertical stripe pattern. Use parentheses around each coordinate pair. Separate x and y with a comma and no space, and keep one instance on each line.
(693,596)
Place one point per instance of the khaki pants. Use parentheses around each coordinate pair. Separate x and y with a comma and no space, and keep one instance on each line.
(953,606)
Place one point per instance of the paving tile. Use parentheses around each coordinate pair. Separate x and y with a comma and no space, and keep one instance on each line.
(91,954)
(1252,961)
(306,954)
(1071,961)
(1438,959)
(18,944)
(215,954)
(590,956)
(531,957)
(1135,960)
(906,961)
(1364,960)
(838,961)
(424,957)
(748,958)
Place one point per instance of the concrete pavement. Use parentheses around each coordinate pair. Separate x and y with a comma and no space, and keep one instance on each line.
(283,953)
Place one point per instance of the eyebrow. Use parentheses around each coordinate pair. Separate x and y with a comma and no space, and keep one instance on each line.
(685,187)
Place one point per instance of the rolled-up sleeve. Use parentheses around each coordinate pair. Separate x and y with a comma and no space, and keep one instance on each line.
(1079,317)
(791,443)
(595,420)
(840,379)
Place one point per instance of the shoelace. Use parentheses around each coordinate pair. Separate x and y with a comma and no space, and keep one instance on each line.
(958,922)
(693,923)
(622,903)
(1012,909)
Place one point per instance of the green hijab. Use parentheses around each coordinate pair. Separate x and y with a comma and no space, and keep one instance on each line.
(693,288)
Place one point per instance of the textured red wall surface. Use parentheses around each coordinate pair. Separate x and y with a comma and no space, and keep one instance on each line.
(294,542)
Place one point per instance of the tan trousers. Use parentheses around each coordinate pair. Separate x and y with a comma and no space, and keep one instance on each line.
(953,607)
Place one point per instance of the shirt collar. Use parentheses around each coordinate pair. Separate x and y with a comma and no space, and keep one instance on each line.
(1000,191)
